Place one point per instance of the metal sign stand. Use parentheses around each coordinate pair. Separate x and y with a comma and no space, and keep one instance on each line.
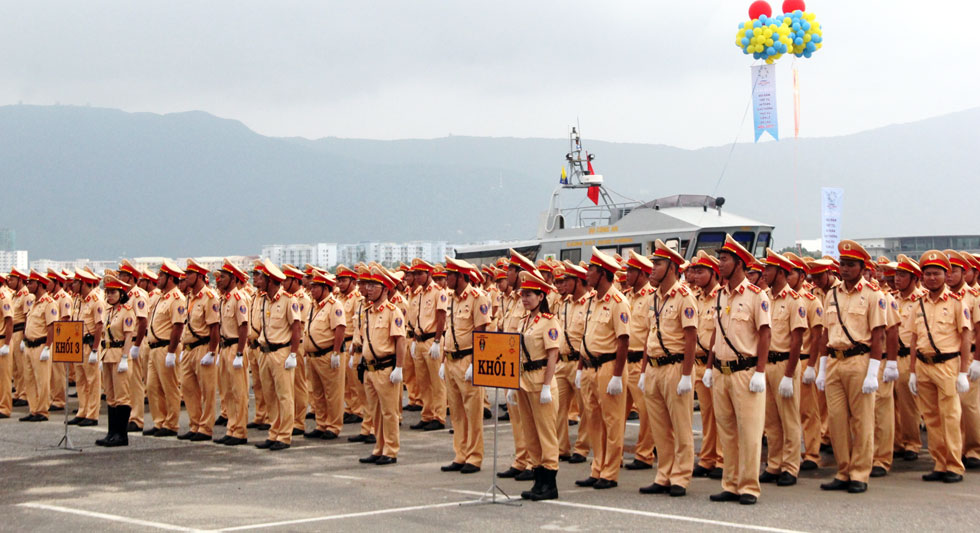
(490,496)
(65,442)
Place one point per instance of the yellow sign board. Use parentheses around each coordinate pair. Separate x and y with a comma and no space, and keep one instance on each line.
(67,346)
(497,359)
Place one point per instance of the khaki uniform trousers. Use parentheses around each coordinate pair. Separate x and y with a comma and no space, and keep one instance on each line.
(199,387)
(522,458)
(6,375)
(810,420)
(252,356)
(59,371)
(17,365)
(137,385)
(354,396)
(278,389)
(607,421)
(410,375)
(301,391)
(970,420)
(884,434)
(939,404)
(671,418)
(233,387)
(644,440)
(163,391)
(740,416)
(586,425)
(908,437)
(327,384)
(851,417)
(117,385)
(824,417)
(566,393)
(384,400)
(540,422)
(37,380)
(710,454)
(466,411)
(432,390)
(88,386)
(782,426)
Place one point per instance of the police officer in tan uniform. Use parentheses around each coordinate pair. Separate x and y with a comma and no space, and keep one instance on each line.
(6,339)
(301,393)
(737,375)
(579,295)
(88,308)
(428,316)
(115,347)
(703,271)
(260,280)
(908,438)
(165,324)
(959,278)
(200,338)
(325,331)
(139,300)
(638,270)
(20,304)
(366,433)
(232,375)
(59,371)
(38,338)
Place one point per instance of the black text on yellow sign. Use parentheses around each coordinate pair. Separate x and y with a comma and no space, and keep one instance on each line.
(67,345)
(496,360)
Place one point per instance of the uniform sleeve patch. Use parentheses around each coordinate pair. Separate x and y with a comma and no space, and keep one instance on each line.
(339,312)
(765,306)
(180,309)
(689,312)
(141,304)
(241,309)
(442,297)
(484,309)
(98,310)
(803,312)
(895,305)
(881,303)
(553,334)
(819,312)
(129,321)
(6,307)
(54,312)
(295,307)
(966,313)
(215,308)
(398,322)
(625,318)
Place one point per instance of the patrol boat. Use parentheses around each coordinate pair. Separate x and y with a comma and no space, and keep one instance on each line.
(686,223)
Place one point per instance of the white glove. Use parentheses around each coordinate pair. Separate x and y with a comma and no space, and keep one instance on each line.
(238,362)
(442,371)
(962,382)
(974,373)
(706,379)
(871,378)
(411,348)
(396,375)
(545,394)
(809,375)
(170,361)
(180,357)
(913,386)
(45,353)
(578,379)
(685,385)
(512,397)
(93,357)
(335,360)
(123,366)
(134,353)
(290,361)
(4,350)
(469,373)
(891,372)
(435,352)
(822,374)
(23,346)
(758,382)
(350,362)
(208,359)
(642,383)
(786,387)
(615,386)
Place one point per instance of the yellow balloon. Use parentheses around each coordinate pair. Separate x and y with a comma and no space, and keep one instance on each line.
(769,42)
(807,37)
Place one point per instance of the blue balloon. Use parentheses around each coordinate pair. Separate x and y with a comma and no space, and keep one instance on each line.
(756,24)
(745,51)
(798,41)
(810,47)
(797,13)
(745,41)
(741,25)
(771,51)
(806,25)
(757,55)
(807,53)
(816,39)
(763,18)
(798,55)
(749,33)
(796,26)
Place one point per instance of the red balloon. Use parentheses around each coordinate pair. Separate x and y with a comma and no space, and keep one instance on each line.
(759,8)
(790,6)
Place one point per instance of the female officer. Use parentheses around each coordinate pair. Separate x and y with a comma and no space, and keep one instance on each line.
(540,334)
(120,329)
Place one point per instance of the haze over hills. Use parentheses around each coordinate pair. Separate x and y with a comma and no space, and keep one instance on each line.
(101,183)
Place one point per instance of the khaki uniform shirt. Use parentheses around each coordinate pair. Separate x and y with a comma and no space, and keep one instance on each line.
(429,301)
(121,321)
(641,317)
(814,317)
(907,310)
(352,302)
(947,317)
(512,312)
(234,313)
(168,310)
(202,311)
(22,301)
(571,316)
(89,311)
(64,301)
(44,311)
(6,305)
(139,300)
(412,314)
(675,310)
(861,309)
(706,319)
(466,313)
(278,315)
(325,316)
(607,319)
(382,326)
(255,316)
(744,311)
(788,315)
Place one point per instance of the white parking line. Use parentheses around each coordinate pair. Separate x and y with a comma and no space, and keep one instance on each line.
(105,516)
(341,516)
(680,518)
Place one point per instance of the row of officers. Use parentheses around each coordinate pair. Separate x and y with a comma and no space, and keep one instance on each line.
(809,353)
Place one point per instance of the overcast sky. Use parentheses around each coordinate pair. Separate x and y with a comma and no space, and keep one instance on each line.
(647,71)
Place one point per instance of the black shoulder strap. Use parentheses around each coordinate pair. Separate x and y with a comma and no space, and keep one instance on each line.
(585,330)
(527,354)
(925,320)
(565,330)
(656,314)
(367,331)
(452,321)
(309,328)
(840,320)
(265,332)
(724,335)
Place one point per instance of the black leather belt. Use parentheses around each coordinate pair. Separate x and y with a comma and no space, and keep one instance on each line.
(904,351)
(34,343)
(596,362)
(455,356)
(634,357)
(936,359)
(114,344)
(88,340)
(227,341)
(531,366)
(158,344)
(197,343)
(666,360)
(850,352)
(730,367)
(778,357)
(381,363)
(20,327)
(410,333)
(574,356)
(254,345)
(703,359)
(804,356)
(319,353)
(425,336)
(273,347)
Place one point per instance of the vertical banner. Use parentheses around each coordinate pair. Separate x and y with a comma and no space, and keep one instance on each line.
(764,101)
(796,102)
(831,200)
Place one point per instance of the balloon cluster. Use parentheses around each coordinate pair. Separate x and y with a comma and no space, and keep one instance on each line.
(767,37)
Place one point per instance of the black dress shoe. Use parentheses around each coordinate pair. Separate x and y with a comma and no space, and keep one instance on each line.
(234,441)
(509,473)
(329,435)
(605,484)
(265,445)
(252,425)
(952,477)
(576,458)
(133,427)
(56,408)
(297,432)
(370,439)
(88,422)
(26,418)
(747,499)
(655,489)
(487,415)
(4,415)
(785,480)
(310,416)
(587,482)
(836,484)
(221,421)
(315,434)
(278,445)
(350,418)
(971,463)
(452,467)
(877,471)
(371,459)
(164,432)
(572,423)
(222,440)
(504,417)
(527,475)
(469,469)
(412,408)
(633,416)
(564,458)
(910,455)
(265,427)
(857,487)
(716,473)
(200,437)
(768,477)
(808,465)
(700,471)
(385,460)
(826,448)
(638,465)
(933,476)
(724,496)
(357,438)
(677,490)
(186,436)
(19,403)
(421,424)
(434,425)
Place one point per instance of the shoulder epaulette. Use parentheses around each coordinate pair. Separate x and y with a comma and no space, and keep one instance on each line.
(683,290)
(390,306)
(809,296)
(127,307)
(974,291)
(955,296)
(617,297)
(547,316)
(753,288)
(794,294)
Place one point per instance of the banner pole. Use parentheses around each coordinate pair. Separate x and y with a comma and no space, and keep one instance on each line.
(66,439)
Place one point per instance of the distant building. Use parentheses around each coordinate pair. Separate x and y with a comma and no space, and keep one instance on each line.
(321,254)
(8,240)
(13,258)
(914,247)
(328,255)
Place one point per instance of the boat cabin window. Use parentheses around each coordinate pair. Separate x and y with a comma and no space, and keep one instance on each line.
(608,250)
(572,254)
(745,238)
(762,244)
(625,250)
(708,241)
